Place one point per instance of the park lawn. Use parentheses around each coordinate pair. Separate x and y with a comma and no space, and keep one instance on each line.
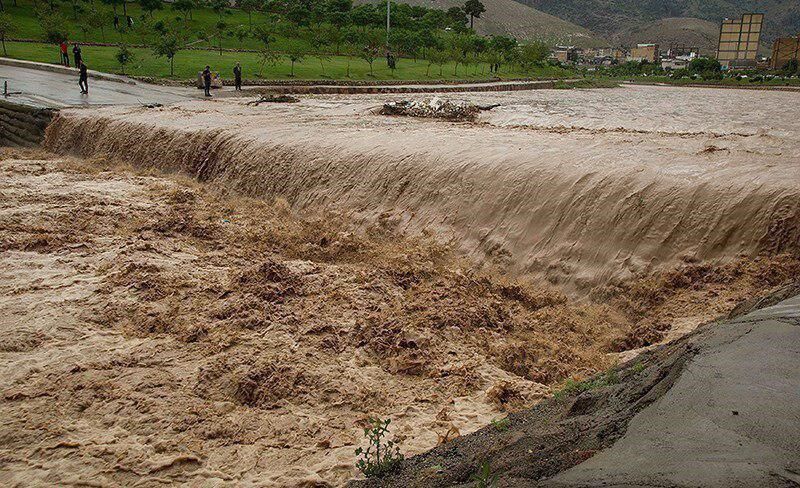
(189,62)
(202,22)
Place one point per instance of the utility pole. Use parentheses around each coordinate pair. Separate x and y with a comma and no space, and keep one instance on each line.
(388,23)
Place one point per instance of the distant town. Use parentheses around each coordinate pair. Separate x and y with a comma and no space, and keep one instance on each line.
(737,50)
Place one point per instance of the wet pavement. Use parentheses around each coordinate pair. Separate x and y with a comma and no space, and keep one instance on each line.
(58,90)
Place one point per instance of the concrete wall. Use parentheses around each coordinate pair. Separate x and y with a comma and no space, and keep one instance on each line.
(21,125)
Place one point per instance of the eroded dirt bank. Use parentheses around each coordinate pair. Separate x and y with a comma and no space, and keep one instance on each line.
(160,331)
(583,188)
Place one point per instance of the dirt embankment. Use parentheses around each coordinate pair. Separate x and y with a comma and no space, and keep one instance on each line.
(159,330)
(580,203)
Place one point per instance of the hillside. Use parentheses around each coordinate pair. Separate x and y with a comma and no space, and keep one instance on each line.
(613,17)
(676,30)
(507,17)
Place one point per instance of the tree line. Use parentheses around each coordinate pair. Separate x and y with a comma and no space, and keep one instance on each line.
(305,28)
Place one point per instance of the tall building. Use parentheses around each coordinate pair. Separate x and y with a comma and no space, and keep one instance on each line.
(738,41)
(645,52)
(784,50)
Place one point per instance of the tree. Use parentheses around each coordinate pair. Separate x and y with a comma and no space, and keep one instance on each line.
(532,54)
(123,56)
(96,19)
(55,31)
(220,7)
(320,39)
(241,33)
(7,27)
(338,12)
(474,8)
(185,7)
(248,7)
(701,65)
(405,41)
(76,7)
(266,54)
(168,46)
(113,4)
(219,32)
(439,57)
(150,6)
(457,18)
(371,45)
(295,52)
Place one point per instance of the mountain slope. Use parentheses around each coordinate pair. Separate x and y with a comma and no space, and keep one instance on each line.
(507,17)
(689,31)
(612,17)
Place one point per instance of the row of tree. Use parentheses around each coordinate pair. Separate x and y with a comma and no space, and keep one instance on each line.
(306,28)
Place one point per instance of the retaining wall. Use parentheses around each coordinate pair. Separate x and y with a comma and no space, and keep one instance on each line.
(22,125)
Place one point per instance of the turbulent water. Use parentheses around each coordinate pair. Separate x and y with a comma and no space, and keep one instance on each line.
(580,186)
(161,331)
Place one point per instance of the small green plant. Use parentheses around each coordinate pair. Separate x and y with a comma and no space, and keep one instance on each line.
(381,456)
(501,424)
(572,387)
(484,478)
(638,367)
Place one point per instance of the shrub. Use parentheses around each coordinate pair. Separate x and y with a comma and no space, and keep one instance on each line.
(381,457)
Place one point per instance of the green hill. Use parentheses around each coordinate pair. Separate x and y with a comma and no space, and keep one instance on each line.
(614,17)
(674,30)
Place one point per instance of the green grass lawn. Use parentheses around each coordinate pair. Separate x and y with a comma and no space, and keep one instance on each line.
(188,63)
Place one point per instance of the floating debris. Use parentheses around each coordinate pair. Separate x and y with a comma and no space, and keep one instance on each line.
(435,108)
(273,99)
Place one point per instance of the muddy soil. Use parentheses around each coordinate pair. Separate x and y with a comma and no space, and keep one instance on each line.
(158,330)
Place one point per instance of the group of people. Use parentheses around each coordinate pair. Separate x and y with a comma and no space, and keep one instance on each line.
(208,76)
(77,56)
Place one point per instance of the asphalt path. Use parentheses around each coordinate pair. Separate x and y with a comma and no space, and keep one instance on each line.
(731,419)
(58,90)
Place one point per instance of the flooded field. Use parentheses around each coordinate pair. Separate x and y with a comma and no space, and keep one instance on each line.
(215,294)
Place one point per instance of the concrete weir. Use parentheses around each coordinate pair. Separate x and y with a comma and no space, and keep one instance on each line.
(23,125)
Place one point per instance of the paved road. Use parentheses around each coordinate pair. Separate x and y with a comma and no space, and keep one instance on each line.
(56,90)
(732,418)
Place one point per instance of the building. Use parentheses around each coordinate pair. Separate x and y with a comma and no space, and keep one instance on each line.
(645,52)
(567,54)
(784,50)
(674,63)
(738,41)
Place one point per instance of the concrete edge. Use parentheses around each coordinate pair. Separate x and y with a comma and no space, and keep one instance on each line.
(23,125)
(390,89)
(54,68)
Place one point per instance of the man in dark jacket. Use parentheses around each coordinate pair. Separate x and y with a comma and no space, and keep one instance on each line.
(237,76)
(207,80)
(76,54)
(84,78)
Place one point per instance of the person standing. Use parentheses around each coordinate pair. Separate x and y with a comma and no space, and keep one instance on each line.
(76,54)
(116,22)
(83,81)
(64,54)
(207,80)
(237,77)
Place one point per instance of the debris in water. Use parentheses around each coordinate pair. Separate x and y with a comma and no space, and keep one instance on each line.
(435,108)
(273,99)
